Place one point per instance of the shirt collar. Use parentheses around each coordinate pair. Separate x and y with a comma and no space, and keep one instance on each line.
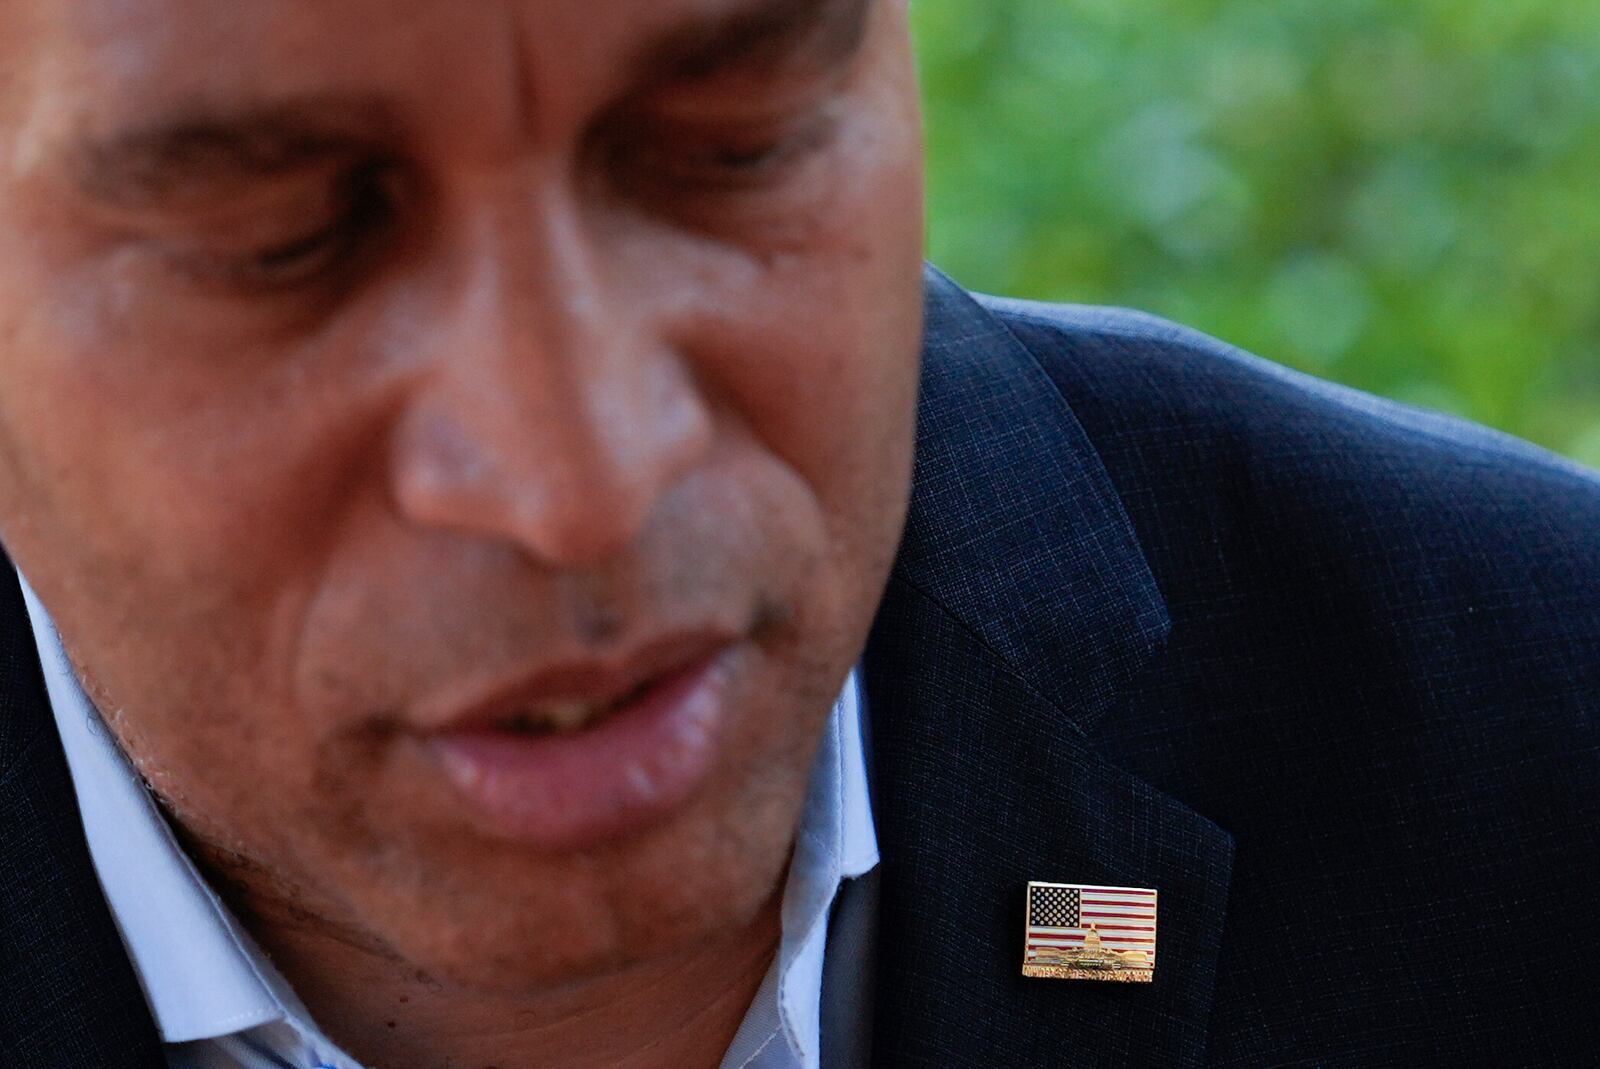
(836,841)
(193,959)
(204,977)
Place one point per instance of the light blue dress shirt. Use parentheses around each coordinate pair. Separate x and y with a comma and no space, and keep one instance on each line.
(218,1002)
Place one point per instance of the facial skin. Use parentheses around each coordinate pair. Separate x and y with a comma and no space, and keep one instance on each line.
(358,354)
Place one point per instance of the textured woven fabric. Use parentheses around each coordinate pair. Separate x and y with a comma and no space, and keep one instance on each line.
(1356,751)
(1322,670)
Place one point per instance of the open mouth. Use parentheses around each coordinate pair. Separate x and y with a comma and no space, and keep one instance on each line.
(566,717)
(558,772)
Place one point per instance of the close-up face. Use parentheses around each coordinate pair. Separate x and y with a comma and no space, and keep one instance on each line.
(463,444)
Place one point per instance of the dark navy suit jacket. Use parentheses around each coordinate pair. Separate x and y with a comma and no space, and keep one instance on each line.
(1323,670)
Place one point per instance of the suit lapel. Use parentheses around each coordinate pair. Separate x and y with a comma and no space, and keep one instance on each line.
(70,993)
(1019,609)
(1014,525)
(983,785)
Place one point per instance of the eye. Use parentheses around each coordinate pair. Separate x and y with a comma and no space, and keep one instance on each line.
(360,208)
(735,161)
(675,159)
(365,208)
(300,257)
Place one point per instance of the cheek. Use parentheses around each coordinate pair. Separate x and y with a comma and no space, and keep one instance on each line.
(821,357)
(154,457)
(825,348)
(165,516)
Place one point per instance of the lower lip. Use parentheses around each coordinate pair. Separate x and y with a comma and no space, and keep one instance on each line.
(631,770)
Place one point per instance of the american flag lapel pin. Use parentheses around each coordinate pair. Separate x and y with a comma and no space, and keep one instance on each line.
(1079,931)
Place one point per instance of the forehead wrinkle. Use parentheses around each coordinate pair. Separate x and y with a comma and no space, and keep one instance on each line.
(523,87)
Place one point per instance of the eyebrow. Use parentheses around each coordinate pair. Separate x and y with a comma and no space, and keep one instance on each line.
(755,38)
(177,157)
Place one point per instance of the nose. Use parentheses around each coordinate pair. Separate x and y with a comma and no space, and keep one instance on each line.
(551,411)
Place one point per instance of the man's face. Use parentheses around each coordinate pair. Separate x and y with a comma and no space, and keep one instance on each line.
(384,383)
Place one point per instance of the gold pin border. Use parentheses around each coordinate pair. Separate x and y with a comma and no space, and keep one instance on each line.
(1143,975)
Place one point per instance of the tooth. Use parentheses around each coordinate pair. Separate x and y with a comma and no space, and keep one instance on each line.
(567,716)
(467,773)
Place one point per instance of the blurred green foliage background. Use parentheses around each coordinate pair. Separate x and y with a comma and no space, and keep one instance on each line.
(1403,195)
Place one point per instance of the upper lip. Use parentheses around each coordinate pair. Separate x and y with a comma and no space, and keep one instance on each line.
(596,681)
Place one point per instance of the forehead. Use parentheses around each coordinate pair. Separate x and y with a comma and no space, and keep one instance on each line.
(92,66)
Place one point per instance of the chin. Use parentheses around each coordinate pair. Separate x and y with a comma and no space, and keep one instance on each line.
(494,919)
(519,956)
